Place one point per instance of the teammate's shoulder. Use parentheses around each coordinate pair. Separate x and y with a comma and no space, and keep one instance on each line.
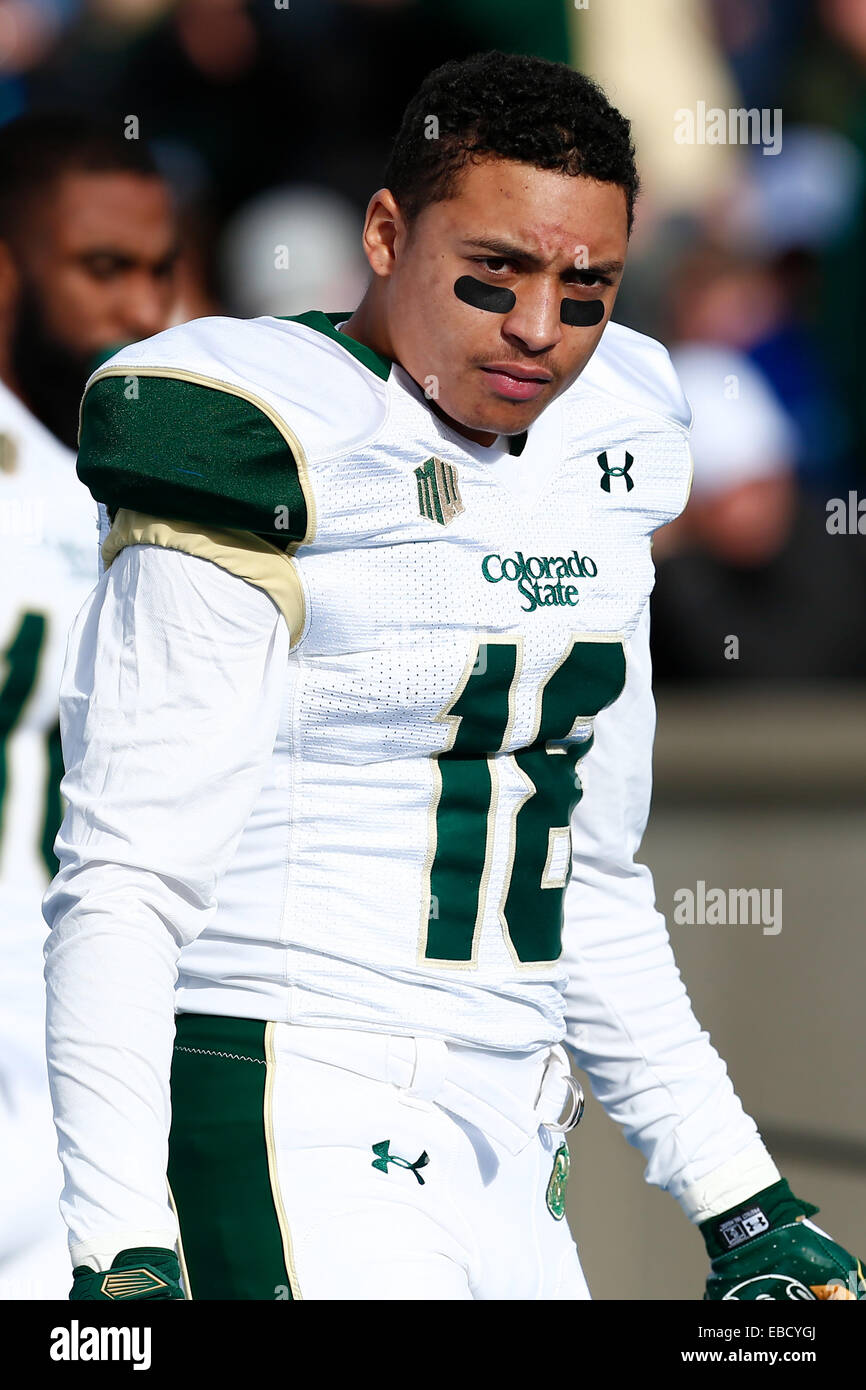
(217,420)
(637,370)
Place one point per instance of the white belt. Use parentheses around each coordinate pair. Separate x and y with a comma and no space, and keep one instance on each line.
(506,1095)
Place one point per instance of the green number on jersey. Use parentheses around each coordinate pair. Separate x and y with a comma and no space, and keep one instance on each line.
(589,677)
(463,812)
(21,661)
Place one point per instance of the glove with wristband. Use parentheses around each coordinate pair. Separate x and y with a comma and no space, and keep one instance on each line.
(144,1272)
(767,1248)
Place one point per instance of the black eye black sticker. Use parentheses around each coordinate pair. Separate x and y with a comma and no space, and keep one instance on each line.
(581,313)
(496,299)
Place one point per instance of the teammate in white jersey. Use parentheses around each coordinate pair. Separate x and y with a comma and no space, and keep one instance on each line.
(376,601)
(85,259)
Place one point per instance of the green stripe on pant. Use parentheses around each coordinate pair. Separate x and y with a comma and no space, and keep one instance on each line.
(221,1161)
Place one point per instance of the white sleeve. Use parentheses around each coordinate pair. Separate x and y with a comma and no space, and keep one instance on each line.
(630,1024)
(169,707)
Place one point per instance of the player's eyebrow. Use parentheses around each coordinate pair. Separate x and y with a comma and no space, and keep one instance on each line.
(89,253)
(125,261)
(512,252)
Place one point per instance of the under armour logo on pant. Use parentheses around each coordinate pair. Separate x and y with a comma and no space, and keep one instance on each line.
(383,1158)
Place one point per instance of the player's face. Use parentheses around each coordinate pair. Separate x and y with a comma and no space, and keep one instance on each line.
(100,259)
(547,237)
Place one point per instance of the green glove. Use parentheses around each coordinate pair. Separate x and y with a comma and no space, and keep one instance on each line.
(767,1248)
(145,1272)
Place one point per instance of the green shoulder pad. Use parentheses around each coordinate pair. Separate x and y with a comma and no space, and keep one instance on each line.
(192,451)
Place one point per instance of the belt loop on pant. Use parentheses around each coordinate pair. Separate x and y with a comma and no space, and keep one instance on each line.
(399,1060)
(431,1066)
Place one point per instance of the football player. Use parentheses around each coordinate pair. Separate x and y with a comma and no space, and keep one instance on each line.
(376,595)
(86,253)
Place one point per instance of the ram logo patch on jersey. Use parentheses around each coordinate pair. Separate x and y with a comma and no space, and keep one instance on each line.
(438,493)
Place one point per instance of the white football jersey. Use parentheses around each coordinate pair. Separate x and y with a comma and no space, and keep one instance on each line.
(458,615)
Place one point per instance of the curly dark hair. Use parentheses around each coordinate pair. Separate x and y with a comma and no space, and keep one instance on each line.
(511,106)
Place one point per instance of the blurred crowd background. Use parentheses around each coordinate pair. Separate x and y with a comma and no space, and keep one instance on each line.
(272,120)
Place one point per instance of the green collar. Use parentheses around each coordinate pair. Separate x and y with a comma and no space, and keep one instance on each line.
(375,362)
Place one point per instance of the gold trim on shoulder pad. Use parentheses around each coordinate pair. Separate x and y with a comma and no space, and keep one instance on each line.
(239,552)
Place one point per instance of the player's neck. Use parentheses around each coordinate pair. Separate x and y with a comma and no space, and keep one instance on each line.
(368,325)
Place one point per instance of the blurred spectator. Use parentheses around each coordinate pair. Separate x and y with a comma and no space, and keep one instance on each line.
(290,250)
(28,31)
(751,586)
(372,56)
(543,29)
(803,198)
(202,80)
(844,302)
(85,61)
(654,60)
(763,305)
(743,446)
(759,39)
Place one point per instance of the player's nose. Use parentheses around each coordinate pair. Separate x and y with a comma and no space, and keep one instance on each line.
(535,320)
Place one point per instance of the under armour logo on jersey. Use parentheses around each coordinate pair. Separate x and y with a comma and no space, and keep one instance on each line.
(615,472)
(438,493)
(383,1158)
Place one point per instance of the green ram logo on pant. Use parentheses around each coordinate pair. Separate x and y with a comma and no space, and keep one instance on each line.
(558,1183)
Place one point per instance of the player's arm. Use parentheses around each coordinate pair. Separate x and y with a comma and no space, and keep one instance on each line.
(169,706)
(630,1021)
(630,1024)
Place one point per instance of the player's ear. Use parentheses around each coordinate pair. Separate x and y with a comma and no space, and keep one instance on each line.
(385,230)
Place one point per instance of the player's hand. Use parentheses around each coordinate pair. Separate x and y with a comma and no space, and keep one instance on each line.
(768,1248)
(145,1272)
